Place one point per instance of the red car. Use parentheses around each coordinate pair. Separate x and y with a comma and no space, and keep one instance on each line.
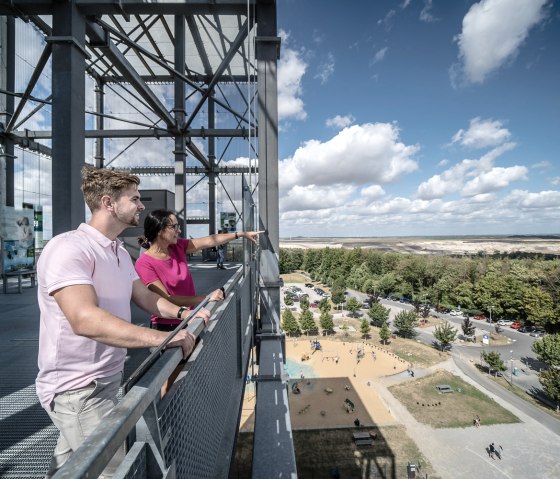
(480,317)
(515,325)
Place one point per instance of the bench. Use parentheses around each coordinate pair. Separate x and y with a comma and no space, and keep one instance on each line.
(361,435)
(363,442)
(19,274)
(444,388)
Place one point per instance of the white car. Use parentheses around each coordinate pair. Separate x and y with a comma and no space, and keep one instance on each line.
(505,322)
(456,312)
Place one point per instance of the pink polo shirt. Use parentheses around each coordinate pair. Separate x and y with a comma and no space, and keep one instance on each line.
(83,256)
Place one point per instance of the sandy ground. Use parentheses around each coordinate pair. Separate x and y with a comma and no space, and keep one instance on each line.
(467,245)
(338,376)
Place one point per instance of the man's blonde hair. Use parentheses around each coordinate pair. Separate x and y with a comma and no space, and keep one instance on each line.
(98,182)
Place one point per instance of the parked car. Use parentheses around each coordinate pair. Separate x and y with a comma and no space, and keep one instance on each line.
(456,312)
(505,322)
(366,305)
(515,325)
(480,317)
(526,329)
(537,333)
(308,285)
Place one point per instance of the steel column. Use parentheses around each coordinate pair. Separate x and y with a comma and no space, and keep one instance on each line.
(8,81)
(99,122)
(272,414)
(211,173)
(68,111)
(179,111)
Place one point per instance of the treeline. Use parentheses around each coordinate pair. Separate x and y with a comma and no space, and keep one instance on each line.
(524,289)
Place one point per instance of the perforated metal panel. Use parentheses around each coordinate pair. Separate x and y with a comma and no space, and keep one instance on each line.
(206,404)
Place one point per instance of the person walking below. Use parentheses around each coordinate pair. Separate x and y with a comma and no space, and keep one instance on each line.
(86,281)
(220,254)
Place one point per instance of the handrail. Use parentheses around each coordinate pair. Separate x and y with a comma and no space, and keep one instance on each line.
(197,327)
(98,448)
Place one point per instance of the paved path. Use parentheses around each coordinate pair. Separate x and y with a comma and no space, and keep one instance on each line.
(531,449)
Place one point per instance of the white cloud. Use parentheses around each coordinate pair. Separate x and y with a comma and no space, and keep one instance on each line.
(426,13)
(326,69)
(380,55)
(372,192)
(541,165)
(493,180)
(312,197)
(291,69)
(493,32)
(340,121)
(443,162)
(360,154)
(482,134)
(472,177)
(555,181)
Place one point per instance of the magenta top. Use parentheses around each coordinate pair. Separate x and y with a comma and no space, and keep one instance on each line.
(173,273)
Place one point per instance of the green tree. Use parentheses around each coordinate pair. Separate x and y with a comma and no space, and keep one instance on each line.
(288,300)
(324,305)
(365,328)
(379,314)
(304,302)
(494,361)
(445,334)
(307,323)
(384,333)
(550,380)
(326,321)
(547,349)
(468,327)
(405,322)
(337,291)
(353,305)
(539,307)
(289,322)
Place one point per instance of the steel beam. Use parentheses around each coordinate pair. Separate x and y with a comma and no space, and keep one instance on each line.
(131,7)
(68,112)
(100,40)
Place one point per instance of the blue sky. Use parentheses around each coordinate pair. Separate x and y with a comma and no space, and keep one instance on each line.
(419,117)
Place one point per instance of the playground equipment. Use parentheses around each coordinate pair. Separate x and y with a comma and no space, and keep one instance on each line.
(348,405)
(315,345)
(295,388)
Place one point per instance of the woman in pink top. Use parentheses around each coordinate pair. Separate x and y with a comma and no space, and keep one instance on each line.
(163,267)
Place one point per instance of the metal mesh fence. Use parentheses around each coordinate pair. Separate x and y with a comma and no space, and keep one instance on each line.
(206,402)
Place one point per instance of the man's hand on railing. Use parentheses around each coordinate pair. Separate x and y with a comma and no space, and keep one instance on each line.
(185,340)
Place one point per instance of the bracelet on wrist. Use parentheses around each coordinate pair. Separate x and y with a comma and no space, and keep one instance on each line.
(236,235)
(181,310)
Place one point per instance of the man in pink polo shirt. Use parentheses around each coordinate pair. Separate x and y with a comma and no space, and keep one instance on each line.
(86,282)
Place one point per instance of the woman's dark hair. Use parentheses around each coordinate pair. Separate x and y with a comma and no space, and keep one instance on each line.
(155,221)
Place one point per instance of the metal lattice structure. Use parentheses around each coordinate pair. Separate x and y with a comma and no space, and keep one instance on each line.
(198,76)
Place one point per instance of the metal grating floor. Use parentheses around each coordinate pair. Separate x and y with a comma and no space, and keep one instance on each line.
(27,436)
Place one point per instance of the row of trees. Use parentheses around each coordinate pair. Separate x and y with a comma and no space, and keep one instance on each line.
(526,289)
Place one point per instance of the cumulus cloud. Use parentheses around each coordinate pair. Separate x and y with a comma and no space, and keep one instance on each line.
(340,121)
(482,134)
(473,177)
(360,154)
(495,179)
(312,197)
(372,192)
(326,69)
(555,181)
(291,68)
(492,34)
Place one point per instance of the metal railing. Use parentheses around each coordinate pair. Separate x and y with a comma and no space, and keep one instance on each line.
(191,431)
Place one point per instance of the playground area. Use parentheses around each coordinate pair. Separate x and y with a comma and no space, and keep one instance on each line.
(340,388)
